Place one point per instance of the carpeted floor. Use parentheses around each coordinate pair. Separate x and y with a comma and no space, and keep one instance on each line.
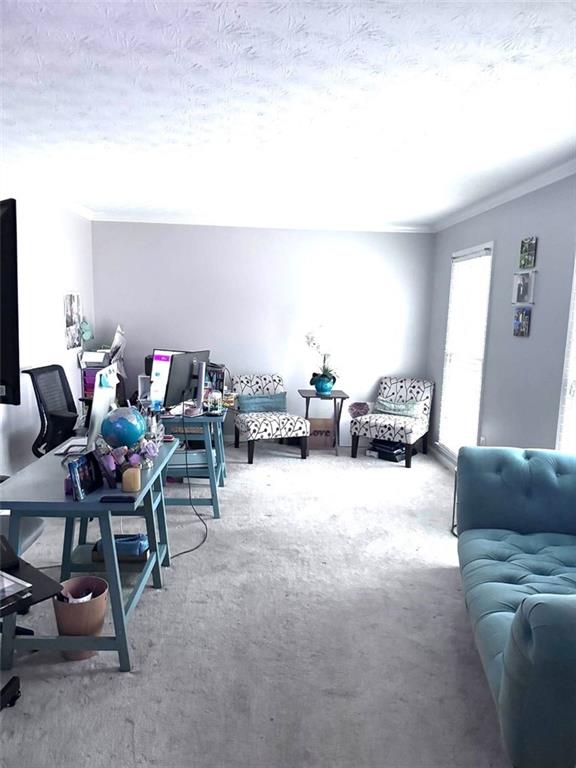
(320,626)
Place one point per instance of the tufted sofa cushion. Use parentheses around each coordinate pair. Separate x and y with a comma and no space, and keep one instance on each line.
(527,490)
(499,569)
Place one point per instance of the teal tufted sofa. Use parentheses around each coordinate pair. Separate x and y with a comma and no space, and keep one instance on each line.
(517,550)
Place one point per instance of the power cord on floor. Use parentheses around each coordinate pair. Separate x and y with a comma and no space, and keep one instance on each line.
(198,515)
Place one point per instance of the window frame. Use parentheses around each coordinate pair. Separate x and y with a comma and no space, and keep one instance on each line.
(474,252)
(569,353)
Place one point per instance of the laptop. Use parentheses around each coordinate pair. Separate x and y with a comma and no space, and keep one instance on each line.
(102,402)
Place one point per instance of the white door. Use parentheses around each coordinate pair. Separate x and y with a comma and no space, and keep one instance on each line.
(567,421)
(464,350)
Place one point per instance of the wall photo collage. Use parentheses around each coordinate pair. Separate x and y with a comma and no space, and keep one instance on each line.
(523,287)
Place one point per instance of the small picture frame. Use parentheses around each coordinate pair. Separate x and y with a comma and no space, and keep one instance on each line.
(523,287)
(528,253)
(522,320)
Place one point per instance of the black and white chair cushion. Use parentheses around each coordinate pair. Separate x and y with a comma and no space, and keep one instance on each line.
(267,425)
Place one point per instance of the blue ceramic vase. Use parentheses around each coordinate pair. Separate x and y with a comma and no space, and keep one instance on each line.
(324,385)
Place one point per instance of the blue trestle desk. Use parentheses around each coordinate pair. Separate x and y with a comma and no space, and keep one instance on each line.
(208,463)
(38,490)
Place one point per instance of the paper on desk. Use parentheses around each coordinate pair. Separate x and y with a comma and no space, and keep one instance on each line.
(10,585)
(87,359)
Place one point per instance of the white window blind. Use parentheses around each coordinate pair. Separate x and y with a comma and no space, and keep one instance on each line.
(567,419)
(464,350)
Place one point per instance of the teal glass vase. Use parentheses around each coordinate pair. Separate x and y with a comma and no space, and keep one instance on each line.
(324,385)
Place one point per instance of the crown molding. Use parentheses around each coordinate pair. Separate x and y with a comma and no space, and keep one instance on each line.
(81,210)
(505,196)
(166,217)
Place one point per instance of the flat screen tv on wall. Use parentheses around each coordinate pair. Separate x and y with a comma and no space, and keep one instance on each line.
(9,342)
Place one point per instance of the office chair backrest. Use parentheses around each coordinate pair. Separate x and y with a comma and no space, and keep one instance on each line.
(52,389)
(55,405)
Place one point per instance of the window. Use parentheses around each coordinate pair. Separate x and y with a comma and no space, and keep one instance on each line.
(567,421)
(464,351)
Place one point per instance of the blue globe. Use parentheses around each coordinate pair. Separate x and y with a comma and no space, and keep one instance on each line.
(124,426)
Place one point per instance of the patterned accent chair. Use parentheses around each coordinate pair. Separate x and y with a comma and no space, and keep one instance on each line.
(403,429)
(266,425)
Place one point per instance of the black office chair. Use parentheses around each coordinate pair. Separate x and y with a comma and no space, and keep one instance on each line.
(58,413)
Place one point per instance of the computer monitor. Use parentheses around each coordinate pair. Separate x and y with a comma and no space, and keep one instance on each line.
(185,381)
(103,400)
(179,385)
(202,356)
(161,360)
(160,371)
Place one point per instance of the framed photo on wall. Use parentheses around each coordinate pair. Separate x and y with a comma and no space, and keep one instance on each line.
(523,287)
(522,319)
(73,318)
(528,253)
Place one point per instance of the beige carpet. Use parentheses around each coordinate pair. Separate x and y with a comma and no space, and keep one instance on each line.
(320,626)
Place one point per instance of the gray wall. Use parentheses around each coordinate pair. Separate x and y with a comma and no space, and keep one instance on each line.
(523,376)
(250,295)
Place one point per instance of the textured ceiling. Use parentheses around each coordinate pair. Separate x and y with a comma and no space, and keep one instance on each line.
(292,114)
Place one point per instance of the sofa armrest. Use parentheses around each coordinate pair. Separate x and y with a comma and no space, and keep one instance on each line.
(537,698)
(524,490)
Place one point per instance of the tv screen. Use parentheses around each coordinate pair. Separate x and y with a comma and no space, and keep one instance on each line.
(9,342)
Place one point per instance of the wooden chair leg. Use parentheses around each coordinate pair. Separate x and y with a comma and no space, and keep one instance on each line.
(236,437)
(425,443)
(251,451)
(304,447)
(355,441)
(408,461)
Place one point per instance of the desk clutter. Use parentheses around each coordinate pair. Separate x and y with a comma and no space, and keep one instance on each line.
(117,469)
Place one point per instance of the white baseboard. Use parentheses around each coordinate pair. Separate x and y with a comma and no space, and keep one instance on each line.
(442,457)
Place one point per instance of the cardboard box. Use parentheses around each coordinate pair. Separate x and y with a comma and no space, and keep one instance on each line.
(321,433)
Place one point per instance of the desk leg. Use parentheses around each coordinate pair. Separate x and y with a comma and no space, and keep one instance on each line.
(221,433)
(220,429)
(9,622)
(150,518)
(65,568)
(307,407)
(162,527)
(8,632)
(335,421)
(211,470)
(83,532)
(220,467)
(338,421)
(14,531)
(115,589)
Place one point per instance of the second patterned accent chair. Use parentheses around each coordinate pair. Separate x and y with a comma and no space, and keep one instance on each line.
(265,424)
(397,427)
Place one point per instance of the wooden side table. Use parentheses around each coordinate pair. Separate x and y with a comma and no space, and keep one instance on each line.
(338,397)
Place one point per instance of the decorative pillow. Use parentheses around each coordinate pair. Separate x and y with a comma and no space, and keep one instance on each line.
(358,409)
(261,403)
(412,408)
